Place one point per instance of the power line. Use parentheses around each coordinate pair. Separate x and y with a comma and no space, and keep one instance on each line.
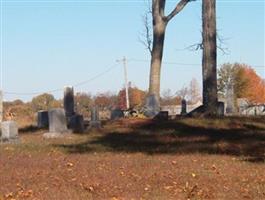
(60,89)
(185,64)
(167,63)
(97,76)
(105,72)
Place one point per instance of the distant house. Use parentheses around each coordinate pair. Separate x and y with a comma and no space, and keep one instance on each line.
(245,108)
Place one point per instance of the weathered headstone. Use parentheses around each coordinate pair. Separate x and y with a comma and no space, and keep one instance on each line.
(95,122)
(9,131)
(57,123)
(162,116)
(183,107)
(230,101)
(68,102)
(43,119)
(116,114)
(152,106)
(77,123)
(220,108)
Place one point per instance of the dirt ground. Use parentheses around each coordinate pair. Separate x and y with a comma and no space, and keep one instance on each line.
(139,159)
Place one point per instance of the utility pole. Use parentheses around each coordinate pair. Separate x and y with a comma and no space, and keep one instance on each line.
(126,82)
(124,61)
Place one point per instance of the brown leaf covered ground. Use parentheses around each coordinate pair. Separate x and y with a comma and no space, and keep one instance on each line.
(140,159)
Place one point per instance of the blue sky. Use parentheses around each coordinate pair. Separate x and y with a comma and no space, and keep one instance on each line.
(50,44)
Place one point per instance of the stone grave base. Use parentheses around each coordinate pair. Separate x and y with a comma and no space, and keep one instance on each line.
(10,140)
(50,135)
(152,107)
(94,124)
(162,116)
(200,111)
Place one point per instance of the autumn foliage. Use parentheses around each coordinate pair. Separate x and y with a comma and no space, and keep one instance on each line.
(255,87)
(136,98)
(246,82)
(106,100)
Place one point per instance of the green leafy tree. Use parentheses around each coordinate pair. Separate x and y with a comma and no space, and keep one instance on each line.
(44,102)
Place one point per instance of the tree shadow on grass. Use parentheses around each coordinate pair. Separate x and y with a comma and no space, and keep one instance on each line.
(176,137)
(29,129)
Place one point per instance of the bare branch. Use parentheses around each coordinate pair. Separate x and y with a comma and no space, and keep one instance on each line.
(199,46)
(177,9)
(193,47)
(146,36)
(221,45)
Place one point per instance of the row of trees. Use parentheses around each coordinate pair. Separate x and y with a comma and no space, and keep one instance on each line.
(191,93)
(84,101)
(243,80)
(108,100)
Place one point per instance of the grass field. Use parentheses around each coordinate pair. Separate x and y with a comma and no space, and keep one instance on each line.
(140,159)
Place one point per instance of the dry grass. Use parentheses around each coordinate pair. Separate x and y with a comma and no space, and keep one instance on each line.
(140,159)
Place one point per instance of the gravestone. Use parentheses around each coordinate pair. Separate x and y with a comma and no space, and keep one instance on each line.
(162,116)
(152,106)
(57,123)
(200,111)
(43,119)
(9,131)
(68,102)
(116,114)
(76,123)
(230,101)
(183,107)
(95,122)
(220,108)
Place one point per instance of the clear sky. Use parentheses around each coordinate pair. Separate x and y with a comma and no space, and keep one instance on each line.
(49,44)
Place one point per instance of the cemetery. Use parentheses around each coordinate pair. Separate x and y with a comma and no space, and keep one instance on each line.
(147,129)
(112,159)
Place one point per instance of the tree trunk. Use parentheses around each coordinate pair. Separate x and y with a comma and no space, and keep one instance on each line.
(210,101)
(157,54)
(160,22)
(153,99)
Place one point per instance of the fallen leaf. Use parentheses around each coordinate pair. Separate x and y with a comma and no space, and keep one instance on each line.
(69,164)
(168,187)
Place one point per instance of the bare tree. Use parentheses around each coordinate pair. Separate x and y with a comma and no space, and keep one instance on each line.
(146,36)
(194,91)
(160,21)
(209,57)
(183,92)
